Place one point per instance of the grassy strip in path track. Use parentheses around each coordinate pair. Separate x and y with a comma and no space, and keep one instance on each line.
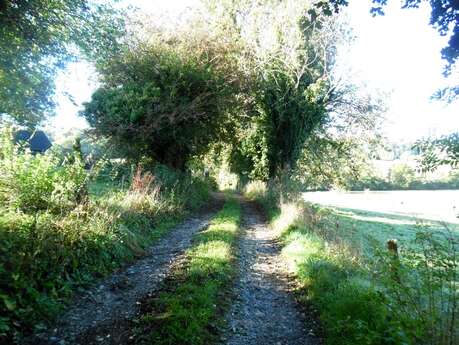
(188,310)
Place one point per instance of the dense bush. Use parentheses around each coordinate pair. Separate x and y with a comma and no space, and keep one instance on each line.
(167,98)
(32,183)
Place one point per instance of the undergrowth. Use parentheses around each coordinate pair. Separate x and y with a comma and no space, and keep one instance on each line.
(406,296)
(56,237)
(188,309)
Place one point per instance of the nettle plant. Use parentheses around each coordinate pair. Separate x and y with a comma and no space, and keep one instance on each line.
(419,287)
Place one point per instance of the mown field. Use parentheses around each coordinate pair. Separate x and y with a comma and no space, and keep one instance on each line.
(363,217)
(439,205)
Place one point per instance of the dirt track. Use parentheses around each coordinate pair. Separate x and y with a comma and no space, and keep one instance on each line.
(101,315)
(265,311)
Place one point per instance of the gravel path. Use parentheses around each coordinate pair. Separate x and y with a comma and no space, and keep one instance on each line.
(265,311)
(102,314)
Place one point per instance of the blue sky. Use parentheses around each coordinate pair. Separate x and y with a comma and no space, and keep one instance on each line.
(398,54)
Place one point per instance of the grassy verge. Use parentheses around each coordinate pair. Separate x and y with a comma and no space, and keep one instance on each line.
(364,293)
(188,309)
(56,237)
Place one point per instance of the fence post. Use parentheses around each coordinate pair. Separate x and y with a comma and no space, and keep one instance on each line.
(392,246)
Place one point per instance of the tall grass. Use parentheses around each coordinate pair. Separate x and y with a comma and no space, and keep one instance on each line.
(407,297)
(56,237)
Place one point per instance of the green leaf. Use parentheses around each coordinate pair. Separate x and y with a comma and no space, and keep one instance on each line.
(10,304)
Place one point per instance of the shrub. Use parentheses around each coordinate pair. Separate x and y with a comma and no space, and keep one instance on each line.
(31,182)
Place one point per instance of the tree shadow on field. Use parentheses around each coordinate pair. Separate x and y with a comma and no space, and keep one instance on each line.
(364,227)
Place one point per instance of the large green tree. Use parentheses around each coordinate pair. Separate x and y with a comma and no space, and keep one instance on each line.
(167,99)
(37,37)
(290,51)
(288,58)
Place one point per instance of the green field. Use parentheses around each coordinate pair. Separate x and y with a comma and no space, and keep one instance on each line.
(362,218)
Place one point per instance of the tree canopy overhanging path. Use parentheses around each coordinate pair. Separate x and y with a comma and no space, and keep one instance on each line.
(253,96)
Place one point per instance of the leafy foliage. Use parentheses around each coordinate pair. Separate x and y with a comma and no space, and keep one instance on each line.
(167,101)
(294,99)
(327,162)
(437,152)
(290,90)
(38,37)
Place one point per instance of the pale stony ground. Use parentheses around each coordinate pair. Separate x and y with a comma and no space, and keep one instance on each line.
(265,311)
(102,314)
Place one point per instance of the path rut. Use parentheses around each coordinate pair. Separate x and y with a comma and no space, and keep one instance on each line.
(102,314)
(265,311)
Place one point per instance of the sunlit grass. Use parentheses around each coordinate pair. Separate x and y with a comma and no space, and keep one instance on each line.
(337,257)
(255,189)
(300,247)
(189,306)
(288,215)
(329,276)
